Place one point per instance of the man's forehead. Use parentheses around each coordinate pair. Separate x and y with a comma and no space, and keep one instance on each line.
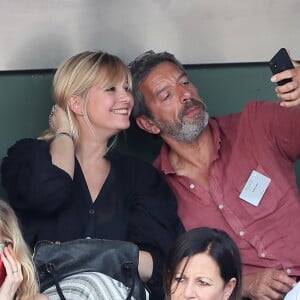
(165,70)
(162,77)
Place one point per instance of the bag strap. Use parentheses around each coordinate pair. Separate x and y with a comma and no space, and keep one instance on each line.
(130,267)
(51,270)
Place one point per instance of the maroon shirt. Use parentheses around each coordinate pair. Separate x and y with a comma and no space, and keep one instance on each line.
(264,137)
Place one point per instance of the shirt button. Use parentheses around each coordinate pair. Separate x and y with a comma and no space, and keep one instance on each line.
(289,271)
(242,233)
(221,206)
(263,255)
(91,211)
(192,186)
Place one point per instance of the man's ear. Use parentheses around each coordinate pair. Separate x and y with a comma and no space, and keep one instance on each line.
(75,104)
(146,124)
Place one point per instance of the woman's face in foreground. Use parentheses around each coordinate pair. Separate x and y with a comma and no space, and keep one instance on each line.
(201,280)
(109,108)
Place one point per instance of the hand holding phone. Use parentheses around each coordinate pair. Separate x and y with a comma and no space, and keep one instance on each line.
(280,62)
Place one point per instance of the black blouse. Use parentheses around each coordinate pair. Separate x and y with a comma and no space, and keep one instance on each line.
(135,204)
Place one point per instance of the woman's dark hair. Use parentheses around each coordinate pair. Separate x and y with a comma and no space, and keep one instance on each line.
(216,243)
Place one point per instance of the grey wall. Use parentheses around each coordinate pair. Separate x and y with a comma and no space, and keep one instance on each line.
(39,34)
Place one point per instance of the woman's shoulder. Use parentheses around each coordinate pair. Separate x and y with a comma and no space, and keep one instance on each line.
(28,143)
(24,151)
(27,146)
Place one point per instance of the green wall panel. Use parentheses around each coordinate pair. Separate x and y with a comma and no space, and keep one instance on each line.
(26,99)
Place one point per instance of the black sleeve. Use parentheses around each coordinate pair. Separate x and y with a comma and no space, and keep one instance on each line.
(154,223)
(32,183)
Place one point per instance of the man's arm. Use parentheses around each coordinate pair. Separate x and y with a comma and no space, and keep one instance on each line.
(290,92)
(269,284)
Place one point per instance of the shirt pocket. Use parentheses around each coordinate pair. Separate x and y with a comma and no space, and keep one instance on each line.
(272,199)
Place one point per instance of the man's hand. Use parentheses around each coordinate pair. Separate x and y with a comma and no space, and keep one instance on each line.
(290,92)
(269,284)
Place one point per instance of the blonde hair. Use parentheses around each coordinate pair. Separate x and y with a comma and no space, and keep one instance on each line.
(78,74)
(11,232)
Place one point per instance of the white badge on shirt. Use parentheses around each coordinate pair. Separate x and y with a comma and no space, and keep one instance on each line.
(294,293)
(255,188)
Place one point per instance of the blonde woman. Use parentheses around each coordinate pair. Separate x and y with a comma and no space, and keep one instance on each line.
(20,281)
(72,184)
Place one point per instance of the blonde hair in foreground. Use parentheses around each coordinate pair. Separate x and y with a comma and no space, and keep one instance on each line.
(78,74)
(11,232)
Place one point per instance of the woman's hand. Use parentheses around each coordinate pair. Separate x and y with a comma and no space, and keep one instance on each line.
(14,274)
(58,120)
(289,93)
(62,147)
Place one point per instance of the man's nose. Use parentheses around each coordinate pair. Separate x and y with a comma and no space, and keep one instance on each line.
(184,94)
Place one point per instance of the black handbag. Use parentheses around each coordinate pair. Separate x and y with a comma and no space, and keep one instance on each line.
(55,261)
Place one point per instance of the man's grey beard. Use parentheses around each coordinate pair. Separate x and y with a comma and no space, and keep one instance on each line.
(183,131)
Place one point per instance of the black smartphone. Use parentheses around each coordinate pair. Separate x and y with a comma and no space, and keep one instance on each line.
(280,62)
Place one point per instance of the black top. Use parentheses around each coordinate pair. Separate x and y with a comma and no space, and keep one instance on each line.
(134,204)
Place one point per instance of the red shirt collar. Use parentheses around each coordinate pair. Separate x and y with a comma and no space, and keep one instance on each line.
(163,163)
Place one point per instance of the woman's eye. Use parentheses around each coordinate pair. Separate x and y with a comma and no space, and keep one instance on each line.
(186,82)
(203,283)
(126,88)
(111,89)
(179,279)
